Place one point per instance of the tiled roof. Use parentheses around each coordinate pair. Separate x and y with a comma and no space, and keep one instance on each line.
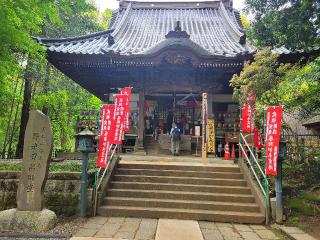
(285,51)
(141,28)
(311,121)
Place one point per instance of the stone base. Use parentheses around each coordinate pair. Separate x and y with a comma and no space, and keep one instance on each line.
(14,219)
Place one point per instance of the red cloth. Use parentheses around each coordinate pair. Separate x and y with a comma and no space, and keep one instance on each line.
(183,120)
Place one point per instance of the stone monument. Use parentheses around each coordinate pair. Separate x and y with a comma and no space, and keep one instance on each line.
(30,213)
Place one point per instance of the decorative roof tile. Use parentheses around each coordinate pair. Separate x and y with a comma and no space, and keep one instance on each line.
(138,27)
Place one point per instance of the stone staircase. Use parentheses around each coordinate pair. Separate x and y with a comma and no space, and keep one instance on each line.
(151,145)
(181,191)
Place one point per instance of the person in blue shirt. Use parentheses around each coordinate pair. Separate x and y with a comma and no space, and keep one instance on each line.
(175,139)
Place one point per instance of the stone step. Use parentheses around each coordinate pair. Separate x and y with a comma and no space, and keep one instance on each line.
(192,214)
(178,173)
(157,194)
(185,204)
(180,180)
(182,167)
(181,187)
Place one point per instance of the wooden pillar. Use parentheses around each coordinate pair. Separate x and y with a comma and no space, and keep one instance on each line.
(141,119)
(210,113)
(204,127)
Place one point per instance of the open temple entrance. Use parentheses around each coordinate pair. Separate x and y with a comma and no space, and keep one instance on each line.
(160,110)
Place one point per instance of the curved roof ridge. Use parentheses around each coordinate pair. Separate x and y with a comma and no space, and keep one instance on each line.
(184,42)
(72,39)
(229,22)
(176,4)
(118,27)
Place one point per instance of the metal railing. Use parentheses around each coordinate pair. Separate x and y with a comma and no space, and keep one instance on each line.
(251,159)
(98,179)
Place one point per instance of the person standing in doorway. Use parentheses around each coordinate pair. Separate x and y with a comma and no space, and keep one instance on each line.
(169,120)
(155,125)
(175,139)
(183,122)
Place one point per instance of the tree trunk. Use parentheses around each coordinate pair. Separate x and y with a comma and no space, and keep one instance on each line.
(46,87)
(3,155)
(25,110)
(10,151)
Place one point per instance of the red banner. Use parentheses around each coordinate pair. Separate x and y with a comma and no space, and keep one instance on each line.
(247,118)
(274,116)
(126,91)
(119,117)
(106,135)
(257,140)
(251,98)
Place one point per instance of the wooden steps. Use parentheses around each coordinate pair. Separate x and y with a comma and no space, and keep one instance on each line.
(181,191)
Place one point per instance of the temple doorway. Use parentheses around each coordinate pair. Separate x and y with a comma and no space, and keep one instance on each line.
(184,109)
(164,109)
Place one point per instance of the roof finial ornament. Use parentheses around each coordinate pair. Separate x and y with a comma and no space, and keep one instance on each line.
(178,27)
(177,33)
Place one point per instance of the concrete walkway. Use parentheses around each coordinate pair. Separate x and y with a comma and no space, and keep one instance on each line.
(172,229)
(112,228)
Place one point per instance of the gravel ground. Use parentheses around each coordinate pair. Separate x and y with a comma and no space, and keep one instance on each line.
(65,228)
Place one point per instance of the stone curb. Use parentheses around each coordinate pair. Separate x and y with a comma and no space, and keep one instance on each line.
(293,233)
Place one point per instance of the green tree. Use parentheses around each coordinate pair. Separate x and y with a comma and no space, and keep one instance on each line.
(245,21)
(106,16)
(19,19)
(295,87)
(45,88)
(292,23)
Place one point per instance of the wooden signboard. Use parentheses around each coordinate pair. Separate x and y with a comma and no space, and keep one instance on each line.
(211,136)
(204,127)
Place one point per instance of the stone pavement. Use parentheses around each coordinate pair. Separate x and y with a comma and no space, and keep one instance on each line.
(102,228)
(226,231)
(294,233)
(117,228)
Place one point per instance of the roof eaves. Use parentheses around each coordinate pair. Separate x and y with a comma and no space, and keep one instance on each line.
(49,41)
(284,51)
(311,121)
(238,35)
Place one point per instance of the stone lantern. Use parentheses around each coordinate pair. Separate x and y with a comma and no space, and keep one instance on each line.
(86,138)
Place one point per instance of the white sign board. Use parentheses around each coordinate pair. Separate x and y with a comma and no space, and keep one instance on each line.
(197,131)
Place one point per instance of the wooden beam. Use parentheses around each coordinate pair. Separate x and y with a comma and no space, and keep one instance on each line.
(141,118)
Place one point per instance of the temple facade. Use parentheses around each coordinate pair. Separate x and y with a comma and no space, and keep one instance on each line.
(170,53)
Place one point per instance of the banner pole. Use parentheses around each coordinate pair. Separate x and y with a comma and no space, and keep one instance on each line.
(265,169)
(240,142)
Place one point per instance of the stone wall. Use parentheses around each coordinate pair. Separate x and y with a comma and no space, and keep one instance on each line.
(62,192)
(74,155)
